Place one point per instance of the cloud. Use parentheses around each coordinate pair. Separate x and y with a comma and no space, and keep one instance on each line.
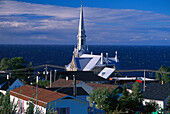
(22,22)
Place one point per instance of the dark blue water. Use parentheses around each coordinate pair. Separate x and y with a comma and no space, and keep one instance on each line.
(131,57)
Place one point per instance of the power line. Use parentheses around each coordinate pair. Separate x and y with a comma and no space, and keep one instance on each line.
(61,67)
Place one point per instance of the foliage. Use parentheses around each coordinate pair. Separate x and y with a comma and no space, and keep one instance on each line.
(105,99)
(16,63)
(125,100)
(42,83)
(5,64)
(150,107)
(30,109)
(131,102)
(168,104)
(124,93)
(162,76)
(136,93)
(6,106)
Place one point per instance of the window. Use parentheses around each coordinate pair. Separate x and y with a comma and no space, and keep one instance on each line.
(103,73)
(62,111)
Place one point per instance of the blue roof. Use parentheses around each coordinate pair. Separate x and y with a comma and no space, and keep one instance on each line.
(82,62)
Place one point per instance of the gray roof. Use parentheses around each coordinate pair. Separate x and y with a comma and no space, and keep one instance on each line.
(82,62)
(157,91)
(69,90)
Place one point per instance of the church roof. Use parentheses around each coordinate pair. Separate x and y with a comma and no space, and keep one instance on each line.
(82,62)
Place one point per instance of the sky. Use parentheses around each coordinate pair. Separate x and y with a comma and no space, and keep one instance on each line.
(107,22)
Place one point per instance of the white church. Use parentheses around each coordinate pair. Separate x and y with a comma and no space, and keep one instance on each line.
(83,61)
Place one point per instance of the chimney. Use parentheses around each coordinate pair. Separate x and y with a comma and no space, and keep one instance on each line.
(101,58)
(66,78)
(162,82)
(7,77)
(106,57)
(116,56)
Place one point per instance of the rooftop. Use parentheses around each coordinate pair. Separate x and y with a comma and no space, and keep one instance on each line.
(4,82)
(28,92)
(69,90)
(157,91)
(81,75)
(64,83)
(103,86)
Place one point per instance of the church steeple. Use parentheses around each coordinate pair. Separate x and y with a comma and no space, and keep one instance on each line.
(81,37)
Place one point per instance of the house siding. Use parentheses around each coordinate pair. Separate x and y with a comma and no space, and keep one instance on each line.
(25,105)
(16,84)
(75,106)
(165,101)
(160,103)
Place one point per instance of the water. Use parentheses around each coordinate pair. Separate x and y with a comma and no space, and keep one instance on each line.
(131,57)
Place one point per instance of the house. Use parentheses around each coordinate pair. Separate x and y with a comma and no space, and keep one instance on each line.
(86,76)
(158,93)
(87,86)
(47,100)
(82,60)
(80,92)
(9,84)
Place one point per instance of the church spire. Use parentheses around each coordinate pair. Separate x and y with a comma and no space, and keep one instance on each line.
(81,37)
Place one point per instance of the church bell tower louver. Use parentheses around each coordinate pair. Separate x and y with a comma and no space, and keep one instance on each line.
(81,37)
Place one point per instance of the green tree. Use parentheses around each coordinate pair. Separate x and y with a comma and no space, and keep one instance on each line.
(42,83)
(125,100)
(136,97)
(162,76)
(124,93)
(105,99)
(136,92)
(168,105)
(150,107)
(6,106)
(17,63)
(5,64)
(30,109)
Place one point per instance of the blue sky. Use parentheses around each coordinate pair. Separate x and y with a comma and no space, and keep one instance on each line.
(107,22)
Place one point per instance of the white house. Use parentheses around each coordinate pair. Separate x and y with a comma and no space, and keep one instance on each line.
(158,93)
(47,100)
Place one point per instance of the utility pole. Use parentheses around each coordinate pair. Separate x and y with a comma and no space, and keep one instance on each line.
(8,81)
(55,74)
(46,72)
(10,75)
(36,93)
(144,82)
(74,86)
(50,77)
